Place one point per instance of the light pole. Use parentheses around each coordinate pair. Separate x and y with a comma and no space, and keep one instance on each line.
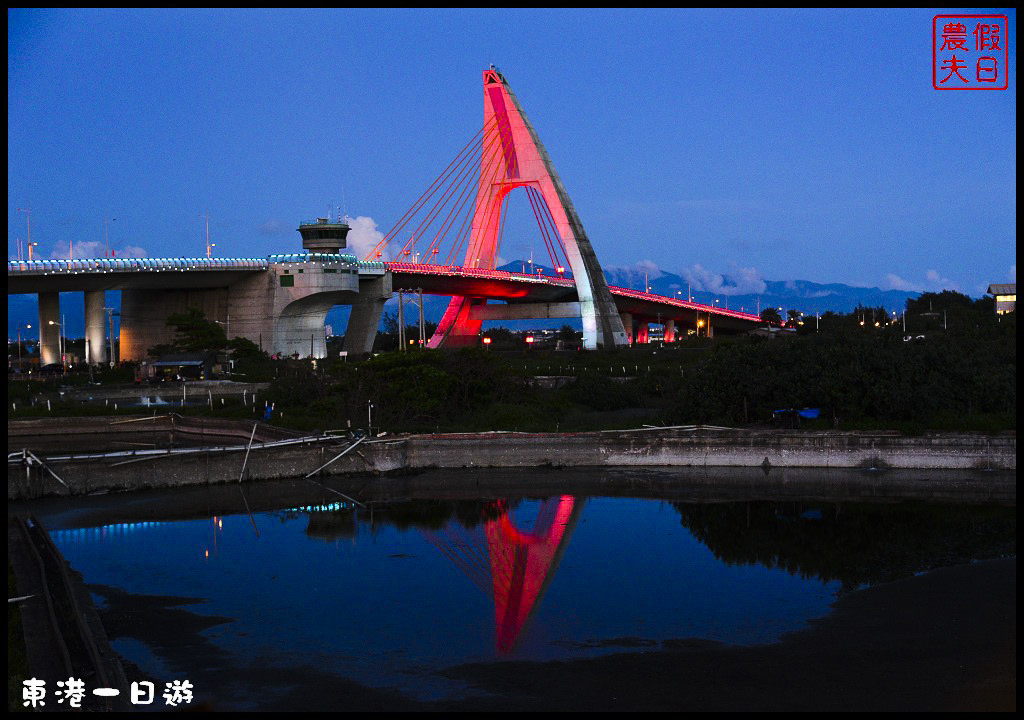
(28,217)
(209,247)
(369,417)
(110,332)
(60,343)
(106,236)
(20,326)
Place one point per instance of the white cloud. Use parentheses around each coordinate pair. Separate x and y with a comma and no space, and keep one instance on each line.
(80,250)
(933,282)
(746,281)
(273,227)
(363,236)
(89,250)
(739,281)
(649,267)
(936,282)
(131,251)
(895,282)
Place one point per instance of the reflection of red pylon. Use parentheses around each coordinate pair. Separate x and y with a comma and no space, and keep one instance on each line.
(521,564)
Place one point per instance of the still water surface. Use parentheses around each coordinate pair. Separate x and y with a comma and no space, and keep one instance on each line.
(390,598)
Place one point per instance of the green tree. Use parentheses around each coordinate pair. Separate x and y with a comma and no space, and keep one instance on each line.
(194,333)
(771,316)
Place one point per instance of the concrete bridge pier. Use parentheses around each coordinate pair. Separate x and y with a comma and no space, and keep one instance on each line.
(670,331)
(627,325)
(49,328)
(95,337)
(643,332)
(144,315)
(362,325)
(299,325)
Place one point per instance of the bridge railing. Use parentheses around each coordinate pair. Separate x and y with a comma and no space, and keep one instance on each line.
(460,271)
(103,265)
(666,300)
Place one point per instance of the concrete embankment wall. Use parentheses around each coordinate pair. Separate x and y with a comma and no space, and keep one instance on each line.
(715,448)
(641,448)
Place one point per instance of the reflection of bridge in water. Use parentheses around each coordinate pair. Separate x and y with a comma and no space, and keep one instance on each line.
(512,566)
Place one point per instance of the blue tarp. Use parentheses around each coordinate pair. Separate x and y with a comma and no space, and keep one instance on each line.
(809,413)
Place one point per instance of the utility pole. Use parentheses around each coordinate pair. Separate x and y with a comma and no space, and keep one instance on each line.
(423,332)
(209,247)
(401,320)
(106,236)
(28,217)
(110,333)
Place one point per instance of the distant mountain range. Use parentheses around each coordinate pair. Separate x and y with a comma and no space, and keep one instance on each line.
(804,295)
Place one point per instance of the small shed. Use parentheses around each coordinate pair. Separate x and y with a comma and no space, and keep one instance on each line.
(184,366)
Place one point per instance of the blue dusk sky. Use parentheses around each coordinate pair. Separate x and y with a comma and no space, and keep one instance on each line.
(730,146)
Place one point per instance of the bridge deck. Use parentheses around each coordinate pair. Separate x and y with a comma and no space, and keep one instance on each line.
(168,273)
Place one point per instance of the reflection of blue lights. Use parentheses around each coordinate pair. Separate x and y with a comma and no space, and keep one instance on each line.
(321,508)
(101,532)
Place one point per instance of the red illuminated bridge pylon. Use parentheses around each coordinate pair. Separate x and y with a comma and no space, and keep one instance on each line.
(463,215)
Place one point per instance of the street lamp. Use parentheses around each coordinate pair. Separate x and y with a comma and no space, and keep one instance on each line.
(20,326)
(61,346)
(28,217)
(106,236)
(111,312)
(369,417)
(209,247)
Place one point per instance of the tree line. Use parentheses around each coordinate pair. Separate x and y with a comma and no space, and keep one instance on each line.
(947,362)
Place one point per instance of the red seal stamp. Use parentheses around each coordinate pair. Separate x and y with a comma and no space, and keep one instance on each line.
(970,52)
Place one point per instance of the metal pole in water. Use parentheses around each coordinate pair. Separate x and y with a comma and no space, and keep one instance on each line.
(247,449)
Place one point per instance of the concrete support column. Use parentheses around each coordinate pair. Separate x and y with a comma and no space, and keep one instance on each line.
(49,335)
(670,331)
(627,325)
(642,335)
(362,326)
(711,328)
(95,324)
(366,314)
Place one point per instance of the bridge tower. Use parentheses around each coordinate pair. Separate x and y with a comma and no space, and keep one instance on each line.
(526,163)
